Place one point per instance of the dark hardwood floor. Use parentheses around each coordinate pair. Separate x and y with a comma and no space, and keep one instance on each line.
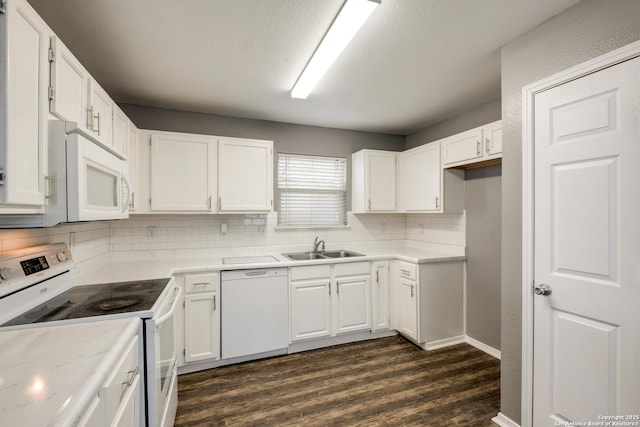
(381,382)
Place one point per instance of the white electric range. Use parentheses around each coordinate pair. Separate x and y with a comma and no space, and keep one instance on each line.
(36,291)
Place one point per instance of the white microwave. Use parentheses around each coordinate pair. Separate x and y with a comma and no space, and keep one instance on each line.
(97,186)
(85,182)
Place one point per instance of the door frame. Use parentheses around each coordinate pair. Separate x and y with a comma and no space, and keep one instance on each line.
(609,59)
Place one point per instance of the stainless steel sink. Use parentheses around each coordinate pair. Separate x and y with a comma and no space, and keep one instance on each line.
(340,254)
(305,256)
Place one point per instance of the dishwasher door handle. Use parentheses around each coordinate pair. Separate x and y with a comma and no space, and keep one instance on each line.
(255,273)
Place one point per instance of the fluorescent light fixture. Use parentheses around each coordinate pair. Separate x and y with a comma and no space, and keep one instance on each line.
(351,17)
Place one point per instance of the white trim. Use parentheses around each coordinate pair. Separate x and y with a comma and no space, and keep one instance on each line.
(528,93)
(434,345)
(503,421)
(491,351)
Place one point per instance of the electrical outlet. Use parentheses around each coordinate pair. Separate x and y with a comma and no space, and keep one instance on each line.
(152,232)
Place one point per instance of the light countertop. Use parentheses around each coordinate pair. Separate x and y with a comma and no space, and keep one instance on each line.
(49,376)
(142,265)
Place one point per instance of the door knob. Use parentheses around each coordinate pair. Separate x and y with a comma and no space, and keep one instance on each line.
(543,290)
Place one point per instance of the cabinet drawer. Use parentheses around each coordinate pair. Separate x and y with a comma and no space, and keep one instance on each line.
(120,380)
(201,282)
(310,272)
(352,268)
(408,271)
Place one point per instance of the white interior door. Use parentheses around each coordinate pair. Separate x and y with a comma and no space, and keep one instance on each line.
(587,248)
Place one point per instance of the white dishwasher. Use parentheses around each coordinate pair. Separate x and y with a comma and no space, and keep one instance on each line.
(255,311)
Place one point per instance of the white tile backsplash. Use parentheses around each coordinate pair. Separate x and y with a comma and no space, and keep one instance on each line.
(161,232)
(448,229)
(86,240)
(204,231)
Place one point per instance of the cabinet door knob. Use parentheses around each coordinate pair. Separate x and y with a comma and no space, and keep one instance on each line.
(478,151)
(487,144)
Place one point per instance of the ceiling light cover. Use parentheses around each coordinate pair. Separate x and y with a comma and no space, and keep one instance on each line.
(351,17)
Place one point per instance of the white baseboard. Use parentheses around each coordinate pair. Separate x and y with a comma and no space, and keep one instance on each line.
(434,345)
(503,421)
(483,347)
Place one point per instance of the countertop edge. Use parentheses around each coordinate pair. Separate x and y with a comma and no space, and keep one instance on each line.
(91,387)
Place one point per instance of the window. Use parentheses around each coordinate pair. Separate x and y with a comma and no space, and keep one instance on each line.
(312,190)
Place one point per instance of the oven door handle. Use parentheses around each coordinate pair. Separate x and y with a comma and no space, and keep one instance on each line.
(168,314)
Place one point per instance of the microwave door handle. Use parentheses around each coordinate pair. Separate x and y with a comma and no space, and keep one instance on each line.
(125,183)
(169,313)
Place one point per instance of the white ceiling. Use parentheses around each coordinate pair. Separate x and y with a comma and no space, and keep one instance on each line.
(414,63)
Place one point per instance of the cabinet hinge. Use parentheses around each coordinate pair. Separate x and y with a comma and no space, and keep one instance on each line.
(184,352)
(3,176)
(3,6)
(52,55)
(52,93)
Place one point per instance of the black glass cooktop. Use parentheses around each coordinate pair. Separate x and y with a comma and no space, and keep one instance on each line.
(95,300)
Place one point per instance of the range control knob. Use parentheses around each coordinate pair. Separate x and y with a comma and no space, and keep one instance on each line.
(61,256)
(5,273)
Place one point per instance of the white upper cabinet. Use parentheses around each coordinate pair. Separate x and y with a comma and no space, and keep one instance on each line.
(182,172)
(68,95)
(422,178)
(492,134)
(373,181)
(476,145)
(120,132)
(76,97)
(23,134)
(245,175)
(100,114)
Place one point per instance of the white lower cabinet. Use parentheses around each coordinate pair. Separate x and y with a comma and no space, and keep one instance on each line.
(329,300)
(408,308)
(92,417)
(380,313)
(128,411)
(119,400)
(427,302)
(202,317)
(310,308)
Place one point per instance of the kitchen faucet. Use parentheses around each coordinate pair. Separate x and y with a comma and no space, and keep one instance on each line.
(316,244)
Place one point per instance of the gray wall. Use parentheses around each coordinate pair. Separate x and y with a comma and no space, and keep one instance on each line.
(474,117)
(483,188)
(483,195)
(288,138)
(587,30)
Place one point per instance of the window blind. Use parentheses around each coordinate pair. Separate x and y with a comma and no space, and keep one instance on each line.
(312,190)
